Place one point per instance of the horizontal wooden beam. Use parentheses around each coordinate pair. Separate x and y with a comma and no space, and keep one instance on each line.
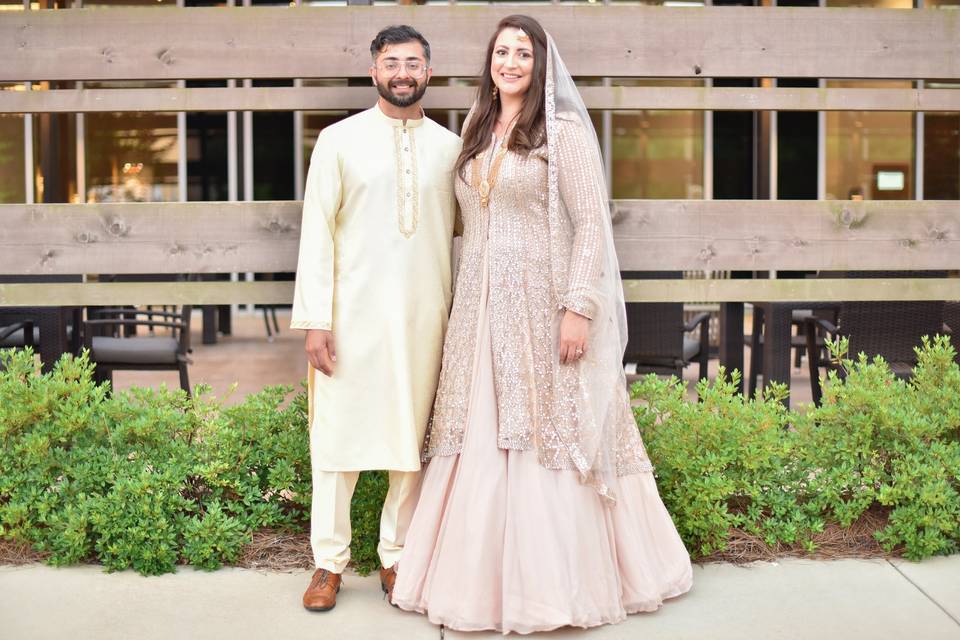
(719,235)
(638,41)
(197,293)
(810,290)
(787,234)
(145,293)
(444,97)
(191,237)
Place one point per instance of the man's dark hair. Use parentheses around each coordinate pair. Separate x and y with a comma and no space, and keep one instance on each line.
(398,34)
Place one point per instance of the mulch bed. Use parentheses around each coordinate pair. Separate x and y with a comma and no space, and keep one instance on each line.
(17,553)
(284,551)
(277,551)
(833,543)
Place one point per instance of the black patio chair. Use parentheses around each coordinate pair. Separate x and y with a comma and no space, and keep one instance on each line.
(657,337)
(951,324)
(112,349)
(890,329)
(18,335)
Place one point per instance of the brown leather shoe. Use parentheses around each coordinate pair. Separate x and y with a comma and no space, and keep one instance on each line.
(321,595)
(388,578)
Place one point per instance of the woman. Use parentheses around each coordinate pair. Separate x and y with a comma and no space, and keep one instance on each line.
(538,508)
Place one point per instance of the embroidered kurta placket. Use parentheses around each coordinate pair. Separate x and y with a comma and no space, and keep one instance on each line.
(408,198)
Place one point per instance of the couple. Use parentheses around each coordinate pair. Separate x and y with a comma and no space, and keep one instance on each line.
(538,508)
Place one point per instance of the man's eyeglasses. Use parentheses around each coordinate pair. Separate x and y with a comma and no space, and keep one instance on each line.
(415,68)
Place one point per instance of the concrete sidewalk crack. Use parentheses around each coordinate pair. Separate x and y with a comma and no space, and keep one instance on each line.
(921,590)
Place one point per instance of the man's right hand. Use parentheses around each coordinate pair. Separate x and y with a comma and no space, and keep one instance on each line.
(320,350)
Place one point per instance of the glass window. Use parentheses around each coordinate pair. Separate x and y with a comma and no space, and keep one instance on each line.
(736,149)
(659,3)
(941,156)
(55,152)
(96,4)
(206,151)
(875,4)
(12,177)
(870,154)
(797,147)
(657,153)
(272,150)
(131,157)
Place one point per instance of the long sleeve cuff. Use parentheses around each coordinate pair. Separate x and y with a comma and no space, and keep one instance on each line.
(309,324)
(580,304)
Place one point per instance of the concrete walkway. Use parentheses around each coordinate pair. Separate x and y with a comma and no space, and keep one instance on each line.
(791,599)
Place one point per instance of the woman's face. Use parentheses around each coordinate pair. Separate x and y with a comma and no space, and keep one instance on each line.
(511,66)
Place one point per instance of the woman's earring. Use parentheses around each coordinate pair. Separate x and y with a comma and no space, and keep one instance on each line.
(494,93)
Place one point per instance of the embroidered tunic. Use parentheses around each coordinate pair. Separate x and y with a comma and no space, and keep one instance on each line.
(539,401)
(374,266)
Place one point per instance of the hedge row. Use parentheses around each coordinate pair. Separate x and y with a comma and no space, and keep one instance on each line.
(148,479)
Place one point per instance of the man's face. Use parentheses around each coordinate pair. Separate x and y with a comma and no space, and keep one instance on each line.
(401,74)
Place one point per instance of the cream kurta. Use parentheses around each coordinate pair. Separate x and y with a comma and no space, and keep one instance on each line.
(374,266)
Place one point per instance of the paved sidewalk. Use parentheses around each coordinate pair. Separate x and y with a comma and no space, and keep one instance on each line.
(791,599)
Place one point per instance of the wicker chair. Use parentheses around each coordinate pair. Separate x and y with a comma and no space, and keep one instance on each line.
(657,338)
(17,335)
(114,350)
(951,322)
(890,329)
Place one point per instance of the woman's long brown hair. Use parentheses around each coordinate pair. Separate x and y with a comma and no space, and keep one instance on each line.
(528,133)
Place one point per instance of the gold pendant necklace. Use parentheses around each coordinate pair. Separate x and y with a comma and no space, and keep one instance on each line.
(483,186)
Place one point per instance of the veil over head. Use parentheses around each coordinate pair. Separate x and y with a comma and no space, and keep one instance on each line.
(602,384)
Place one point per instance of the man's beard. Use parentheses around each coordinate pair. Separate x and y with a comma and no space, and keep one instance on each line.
(402,101)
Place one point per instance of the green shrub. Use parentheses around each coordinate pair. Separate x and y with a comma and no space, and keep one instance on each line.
(723,463)
(148,479)
(877,439)
(730,463)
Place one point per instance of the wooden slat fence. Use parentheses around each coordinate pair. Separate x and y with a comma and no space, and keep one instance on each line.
(332,42)
(440,97)
(612,41)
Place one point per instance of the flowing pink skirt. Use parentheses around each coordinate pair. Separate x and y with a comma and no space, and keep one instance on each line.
(500,542)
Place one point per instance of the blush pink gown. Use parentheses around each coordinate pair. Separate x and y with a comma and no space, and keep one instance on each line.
(499,542)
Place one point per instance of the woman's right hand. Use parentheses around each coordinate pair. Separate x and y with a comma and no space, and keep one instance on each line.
(574,329)
(321,350)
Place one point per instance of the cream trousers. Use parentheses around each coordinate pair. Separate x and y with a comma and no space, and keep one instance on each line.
(330,530)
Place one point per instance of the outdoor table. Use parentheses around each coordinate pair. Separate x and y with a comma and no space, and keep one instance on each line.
(731,338)
(215,318)
(777,335)
(777,320)
(52,324)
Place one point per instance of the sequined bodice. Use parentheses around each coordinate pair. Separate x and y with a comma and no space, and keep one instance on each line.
(538,399)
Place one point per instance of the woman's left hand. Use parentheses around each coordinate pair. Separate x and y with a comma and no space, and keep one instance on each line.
(573,336)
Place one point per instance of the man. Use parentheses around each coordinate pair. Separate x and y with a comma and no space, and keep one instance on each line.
(373,293)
